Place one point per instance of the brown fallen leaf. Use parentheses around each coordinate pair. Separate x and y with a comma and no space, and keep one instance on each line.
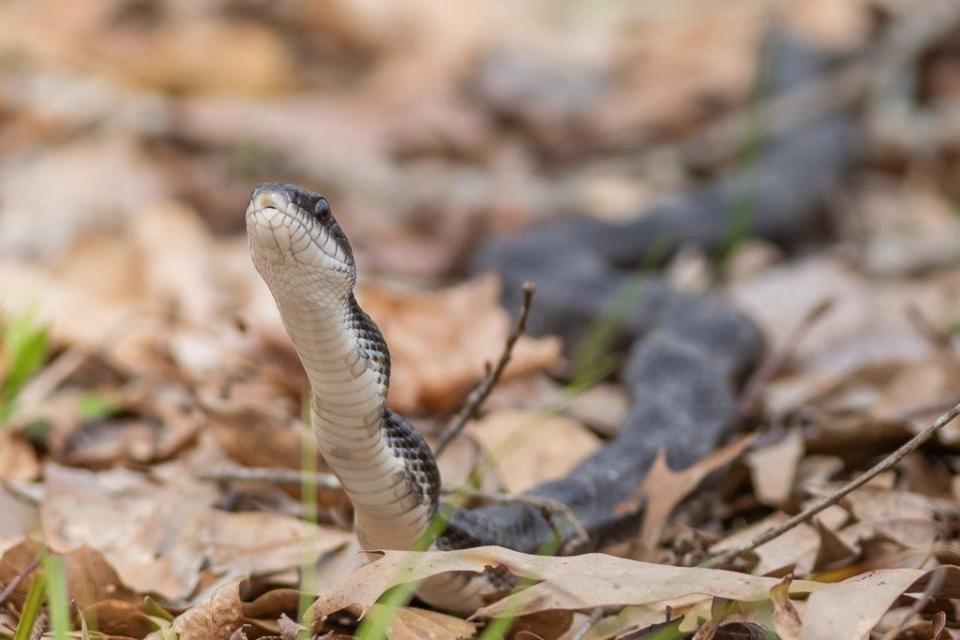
(663,489)
(215,619)
(575,582)
(440,340)
(90,577)
(158,535)
(18,460)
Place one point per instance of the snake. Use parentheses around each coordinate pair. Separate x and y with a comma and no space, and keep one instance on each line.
(385,466)
(683,356)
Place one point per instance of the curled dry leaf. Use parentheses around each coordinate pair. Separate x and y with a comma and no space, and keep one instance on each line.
(439,341)
(576,582)
(215,619)
(786,619)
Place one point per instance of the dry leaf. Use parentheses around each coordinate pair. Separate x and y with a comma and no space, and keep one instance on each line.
(781,553)
(439,341)
(774,469)
(577,582)
(215,619)
(412,623)
(18,461)
(663,489)
(527,448)
(158,536)
(854,605)
(785,616)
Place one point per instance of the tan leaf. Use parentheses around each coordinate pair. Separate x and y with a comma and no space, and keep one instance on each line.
(786,619)
(577,582)
(774,469)
(527,448)
(783,552)
(255,542)
(663,489)
(412,623)
(854,605)
(440,340)
(19,519)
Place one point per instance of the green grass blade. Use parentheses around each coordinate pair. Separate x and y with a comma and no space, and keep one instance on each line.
(308,510)
(26,347)
(32,606)
(58,604)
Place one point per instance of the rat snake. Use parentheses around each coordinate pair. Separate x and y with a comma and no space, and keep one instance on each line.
(388,471)
(684,355)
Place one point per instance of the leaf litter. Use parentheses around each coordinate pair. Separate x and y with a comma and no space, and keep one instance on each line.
(140,350)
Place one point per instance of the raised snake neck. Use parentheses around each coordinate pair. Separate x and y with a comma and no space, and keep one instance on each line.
(386,469)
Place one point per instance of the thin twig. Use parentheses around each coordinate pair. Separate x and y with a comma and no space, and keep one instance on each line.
(17,579)
(937,577)
(590,623)
(772,365)
(474,402)
(887,463)
(84,629)
(326,481)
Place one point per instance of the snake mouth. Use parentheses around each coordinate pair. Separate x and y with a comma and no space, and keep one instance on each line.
(283,225)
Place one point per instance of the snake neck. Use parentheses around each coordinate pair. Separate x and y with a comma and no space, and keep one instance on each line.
(386,469)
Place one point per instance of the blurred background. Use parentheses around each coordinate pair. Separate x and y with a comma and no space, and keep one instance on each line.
(799,154)
(430,124)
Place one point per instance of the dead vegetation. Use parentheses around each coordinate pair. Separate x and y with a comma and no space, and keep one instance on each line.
(157,479)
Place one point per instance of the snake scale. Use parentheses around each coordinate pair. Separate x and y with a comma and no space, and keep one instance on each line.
(685,354)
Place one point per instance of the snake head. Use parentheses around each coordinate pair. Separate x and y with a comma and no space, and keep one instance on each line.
(294,238)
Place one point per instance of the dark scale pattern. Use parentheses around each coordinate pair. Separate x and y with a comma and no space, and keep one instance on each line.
(421,467)
(370,341)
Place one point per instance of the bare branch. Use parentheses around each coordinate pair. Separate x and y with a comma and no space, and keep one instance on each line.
(326,481)
(887,463)
(474,402)
(17,579)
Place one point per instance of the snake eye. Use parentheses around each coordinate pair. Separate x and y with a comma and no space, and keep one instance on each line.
(322,210)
